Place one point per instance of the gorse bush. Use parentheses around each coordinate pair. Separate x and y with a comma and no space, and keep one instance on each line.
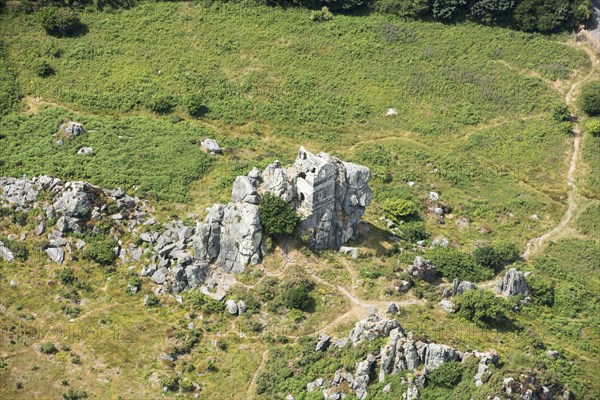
(194,105)
(42,68)
(481,306)
(207,304)
(589,98)
(446,375)
(452,264)
(101,250)
(59,21)
(161,104)
(398,209)
(497,255)
(276,216)
(48,348)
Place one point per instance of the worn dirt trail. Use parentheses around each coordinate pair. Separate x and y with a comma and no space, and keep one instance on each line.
(534,245)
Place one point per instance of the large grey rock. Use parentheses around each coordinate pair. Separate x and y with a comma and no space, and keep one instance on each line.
(244,190)
(459,287)
(76,199)
(231,307)
(422,269)
(438,354)
(323,342)
(20,192)
(448,305)
(513,284)
(56,254)
(361,376)
(85,151)
(232,235)
(196,274)
(160,276)
(211,146)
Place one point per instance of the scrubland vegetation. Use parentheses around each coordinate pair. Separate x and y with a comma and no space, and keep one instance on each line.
(481,120)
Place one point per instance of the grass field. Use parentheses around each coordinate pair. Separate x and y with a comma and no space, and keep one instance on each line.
(475,123)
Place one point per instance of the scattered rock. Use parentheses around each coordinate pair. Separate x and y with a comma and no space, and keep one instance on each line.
(392,309)
(231,307)
(323,342)
(72,129)
(56,254)
(351,251)
(422,269)
(448,305)
(391,112)
(553,354)
(5,253)
(85,151)
(211,146)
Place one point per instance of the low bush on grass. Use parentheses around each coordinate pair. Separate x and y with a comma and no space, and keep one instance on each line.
(482,307)
(452,264)
(59,21)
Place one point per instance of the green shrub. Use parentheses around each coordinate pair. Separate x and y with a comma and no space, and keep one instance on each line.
(67,277)
(19,249)
(496,256)
(73,394)
(561,113)
(42,68)
(152,300)
(451,264)
(297,297)
(321,15)
(170,383)
(102,251)
(276,216)
(398,209)
(186,385)
(194,105)
(161,104)
(205,303)
(593,126)
(48,348)
(59,21)
(135,281)
(481,306)
(588,222)
(542,291)
(589,98)
(447,375)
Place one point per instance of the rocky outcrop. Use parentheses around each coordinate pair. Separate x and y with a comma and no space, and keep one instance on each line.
(422,269)
(371,328)
(329,194)
(513,284)
(231,235)
(71,129)
(402,352)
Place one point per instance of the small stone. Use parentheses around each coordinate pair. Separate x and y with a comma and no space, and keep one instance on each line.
(13,283)
(85,151)
(351,251)
(391,112)
(447,305)
(434,196)
(553,354)
(392,309)
(211,146)
(231,307)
